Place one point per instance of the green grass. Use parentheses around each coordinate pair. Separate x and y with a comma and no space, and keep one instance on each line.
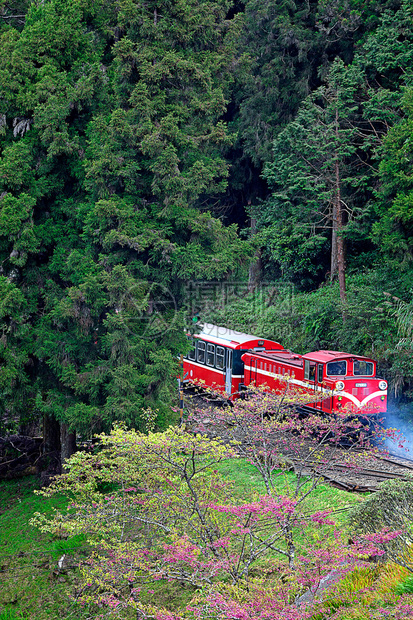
(30,584)
(406,586)
(11,614)
(247,482)
(31,587)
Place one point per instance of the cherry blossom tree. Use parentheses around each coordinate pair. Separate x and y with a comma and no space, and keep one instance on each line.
(271,429)
(154,507)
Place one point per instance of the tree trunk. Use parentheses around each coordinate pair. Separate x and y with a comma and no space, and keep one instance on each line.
(50,463)
(333,268)
(51,435)
(341,262)
(341,254)
(67,442)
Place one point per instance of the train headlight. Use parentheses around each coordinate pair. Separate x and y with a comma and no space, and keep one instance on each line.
(382,385)
(340,385)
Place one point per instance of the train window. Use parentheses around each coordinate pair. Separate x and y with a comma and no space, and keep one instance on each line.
(361,367)
(237,363)
(201,352)
(309,370)
(337,368)
(306,369)
(265,366)
(320,373)
(191,353)
(220,358)
(210,356)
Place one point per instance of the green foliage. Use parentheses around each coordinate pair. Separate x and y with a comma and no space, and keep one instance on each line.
(126,128)
(394,229)
(303,321)
(285,48)
(318,166)
(275,39)
(112,138)
(405,587)
(333,146)
(390,507)
(10,614)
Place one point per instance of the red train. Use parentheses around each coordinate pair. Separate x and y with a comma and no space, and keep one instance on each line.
(230,361)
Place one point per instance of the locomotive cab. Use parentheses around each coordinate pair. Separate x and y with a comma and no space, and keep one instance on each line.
(345,381)
(338,380)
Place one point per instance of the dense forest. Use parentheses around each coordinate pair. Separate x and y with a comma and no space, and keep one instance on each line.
(169,162)
(159,156)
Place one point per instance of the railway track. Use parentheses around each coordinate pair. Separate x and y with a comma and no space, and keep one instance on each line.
(359,478)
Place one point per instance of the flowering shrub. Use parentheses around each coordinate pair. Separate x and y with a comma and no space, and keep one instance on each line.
(270,430)
(154,507)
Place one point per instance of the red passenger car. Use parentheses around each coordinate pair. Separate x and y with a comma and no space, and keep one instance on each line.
(216,357)
(340,379)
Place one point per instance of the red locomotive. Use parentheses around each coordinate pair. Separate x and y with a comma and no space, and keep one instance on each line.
(230,361)
(340,379)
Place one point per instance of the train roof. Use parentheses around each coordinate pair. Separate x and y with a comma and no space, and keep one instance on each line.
(284,357)
(295,359)
(234,339)
(328,356)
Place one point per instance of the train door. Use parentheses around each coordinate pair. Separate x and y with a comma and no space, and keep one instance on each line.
(319,385)
(310,376)
(228,372)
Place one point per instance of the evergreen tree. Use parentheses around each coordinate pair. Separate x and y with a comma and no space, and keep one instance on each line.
(394,230)
(314,176)
(111,147)
(390,53)
(337,133)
